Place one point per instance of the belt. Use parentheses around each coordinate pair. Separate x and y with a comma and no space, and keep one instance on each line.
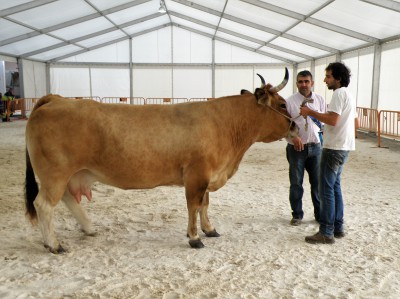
(308,144)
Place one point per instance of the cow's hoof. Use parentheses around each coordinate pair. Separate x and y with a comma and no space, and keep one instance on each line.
(196,243)
(212,233)
(90,233)
(58,250)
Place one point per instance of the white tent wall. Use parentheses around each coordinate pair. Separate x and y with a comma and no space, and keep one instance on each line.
(152,82)
(115,53)
(34,79)
(230,80)
(319,75)
(189,47)
(361,65)
(109,82)
(153,47)
(192,83)
(71,81)
(389,84)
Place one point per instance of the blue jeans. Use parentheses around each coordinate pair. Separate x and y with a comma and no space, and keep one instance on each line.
(330,193)
(309,160)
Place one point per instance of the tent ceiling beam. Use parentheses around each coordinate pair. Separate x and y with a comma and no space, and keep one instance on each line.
(310,20)
(389,4)
(257,26)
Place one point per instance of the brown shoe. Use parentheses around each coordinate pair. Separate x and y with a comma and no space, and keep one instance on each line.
(320,239)
(339,235)
(295,221)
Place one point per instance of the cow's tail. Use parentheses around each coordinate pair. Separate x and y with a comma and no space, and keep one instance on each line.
(31,190)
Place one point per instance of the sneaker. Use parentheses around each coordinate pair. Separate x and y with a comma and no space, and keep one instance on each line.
(319,239)
(339,235)
(295,221)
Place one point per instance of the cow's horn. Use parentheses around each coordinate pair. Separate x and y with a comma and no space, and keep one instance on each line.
(262,80)
(283,83)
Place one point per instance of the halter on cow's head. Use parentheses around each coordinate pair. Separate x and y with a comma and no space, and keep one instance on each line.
(268,96)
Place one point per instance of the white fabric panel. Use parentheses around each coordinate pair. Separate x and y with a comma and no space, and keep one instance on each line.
(82,29)
(225,53)
(152,82)
(389,87)
(256,15)
(108,82)
(365,72)
(118,52)
(34,74)
(191,47)
(360,64)
(192,83)
(70,82)
(29,44)
(154,47)
(47,15)
(229,81)
(10,29)
(8,58)
(357,16)
(324,36)
(319,76)
(352,65)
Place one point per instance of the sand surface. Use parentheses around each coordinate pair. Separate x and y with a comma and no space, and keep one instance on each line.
(141,249)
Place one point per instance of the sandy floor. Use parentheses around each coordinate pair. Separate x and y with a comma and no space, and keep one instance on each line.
(141,249)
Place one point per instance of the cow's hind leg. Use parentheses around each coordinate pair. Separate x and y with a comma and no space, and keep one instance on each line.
(44,206)
(205,223)
(79,213)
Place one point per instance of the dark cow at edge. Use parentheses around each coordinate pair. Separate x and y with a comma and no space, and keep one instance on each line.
(198,145)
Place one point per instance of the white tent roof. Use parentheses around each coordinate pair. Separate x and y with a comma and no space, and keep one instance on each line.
(288,31)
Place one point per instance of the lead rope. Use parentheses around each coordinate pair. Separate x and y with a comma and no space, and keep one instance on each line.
(292,119)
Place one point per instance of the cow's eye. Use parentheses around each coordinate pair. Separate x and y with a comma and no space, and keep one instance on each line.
(283,106)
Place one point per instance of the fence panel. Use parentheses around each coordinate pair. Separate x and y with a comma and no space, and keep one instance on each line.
(123,100)
(26,105)
(94,98)
(165,101)
(200,99)
(389,124)
(368,119)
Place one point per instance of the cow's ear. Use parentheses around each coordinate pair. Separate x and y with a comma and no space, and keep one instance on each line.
(245,91)
(262,97)
(259,93)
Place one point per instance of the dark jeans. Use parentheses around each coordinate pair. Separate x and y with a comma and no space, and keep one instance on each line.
(330,192)
(309,160)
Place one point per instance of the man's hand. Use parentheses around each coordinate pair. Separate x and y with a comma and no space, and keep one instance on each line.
(305,111)
(298,145)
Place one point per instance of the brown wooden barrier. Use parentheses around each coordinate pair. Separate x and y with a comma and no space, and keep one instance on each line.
(94,98)
(124,100)
(25,105)
(368,119)
(165,101)
(389,124)
(200,99)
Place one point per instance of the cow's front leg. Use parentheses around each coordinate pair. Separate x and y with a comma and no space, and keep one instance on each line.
(195,188)
(194,238)
(205,223)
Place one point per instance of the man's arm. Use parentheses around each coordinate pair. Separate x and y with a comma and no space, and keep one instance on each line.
(329,118)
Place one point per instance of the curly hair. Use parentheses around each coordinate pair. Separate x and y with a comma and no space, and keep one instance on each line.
(340,72)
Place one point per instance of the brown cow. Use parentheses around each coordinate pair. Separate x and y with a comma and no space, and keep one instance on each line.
(199,145)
